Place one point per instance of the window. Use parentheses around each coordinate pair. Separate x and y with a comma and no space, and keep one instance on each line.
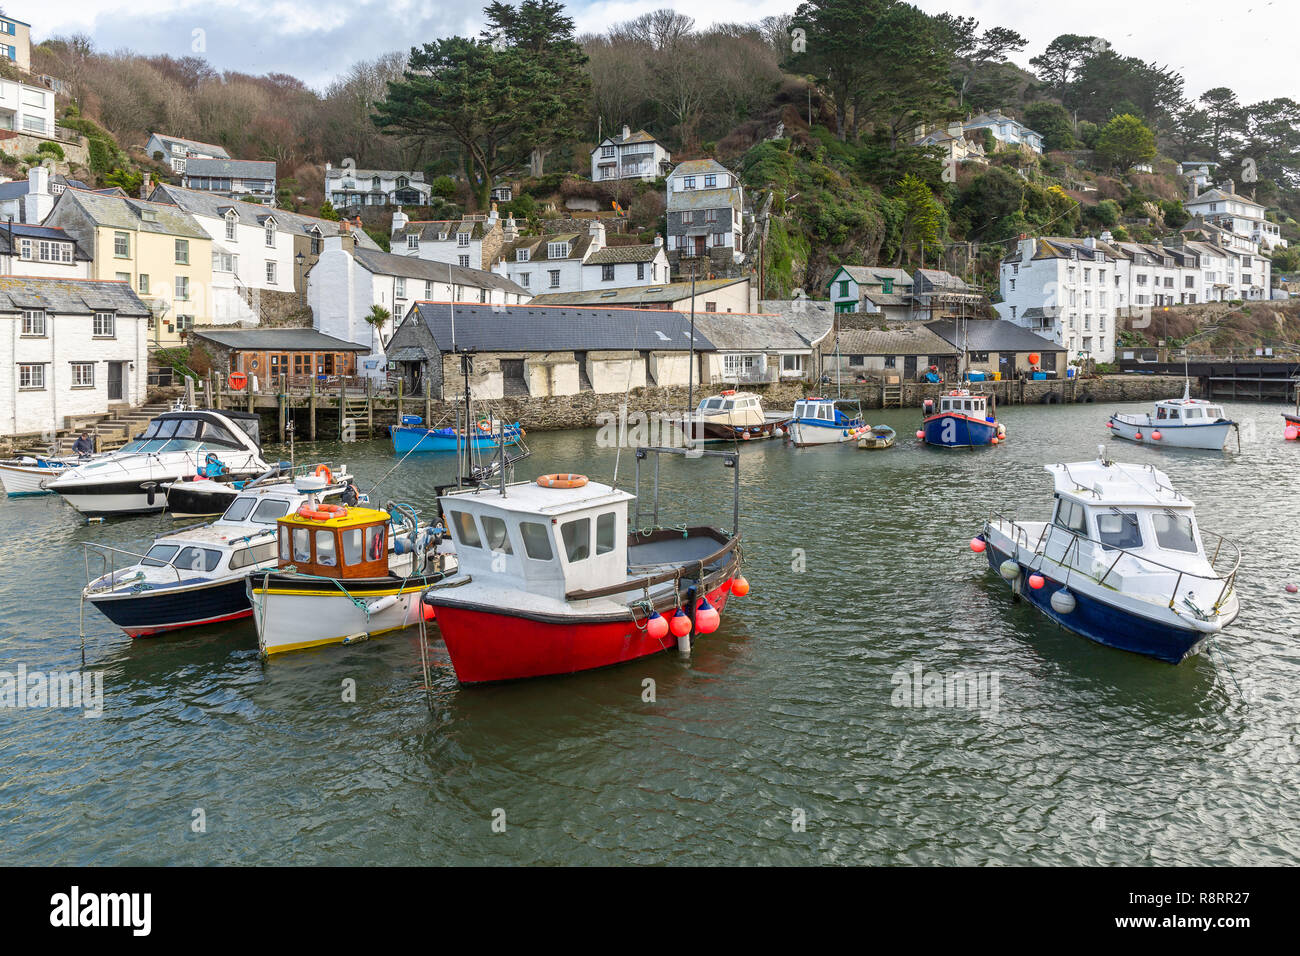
(83,374)
(239,508)
(791,363)
(710,181)
(122,245)
(182,289)
(376,542)
(688,217)
(710,307)
(428,288)
(891,361)
(399,288)
(25,249)
(144,283)
(159,555)
(350,539)
(1118,529)
(494,530)
(577,539)
(34,322)
(555,278)
(710,215)
(223,262)
(605,529)
(197,559)
(844,288)
(1070,515)
(315,245)
(521,255)
(103,327)
(463,261)
(640,270)
(462,240)
(302,544)
(607,273)
(606,152)
(325,551)
(231,225)
(466,530)
(182,252)
(258,554)
(522,279)
(979,356)
(270,234)
(688,182)
(413,241)
(270,271)
(537,543)
(557,250)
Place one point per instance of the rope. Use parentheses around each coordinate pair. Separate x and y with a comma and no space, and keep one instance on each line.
(385,475)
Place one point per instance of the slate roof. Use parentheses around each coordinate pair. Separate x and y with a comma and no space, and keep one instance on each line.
(20,230)
(69,296)
(1220,195)
(213,148)
(910,339)
(529,328)
(19,187)
(200,202)
(874,275)
(698,167)
(635,294)
(241,168)
(412,267)
(539,246)
(288,340)
(337,172)
(747,332)
(991,335)
(429,229)
(812,319)
(122,212)
(713,198)
(617,254)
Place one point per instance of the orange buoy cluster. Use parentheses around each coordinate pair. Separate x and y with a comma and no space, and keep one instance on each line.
(707,618)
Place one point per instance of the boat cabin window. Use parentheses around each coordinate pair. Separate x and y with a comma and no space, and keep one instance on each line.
(711,403)
(1118,529)
(325,553)
(537,543)
(577,539)
(160,555)
(258,554)
(1174,532)
(466,530)
(187,428)
(284,545)
(301,544)
(1213,411)
(494,530)
(269,510)
(197,559)
(377,543)
(1192,413)
(605,532)
(351,541)
(239,508)
(1070,515)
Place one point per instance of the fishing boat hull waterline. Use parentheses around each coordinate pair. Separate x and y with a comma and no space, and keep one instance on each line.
(819,421)
(408,438)
(961,420)
(1122,562)
(149,613)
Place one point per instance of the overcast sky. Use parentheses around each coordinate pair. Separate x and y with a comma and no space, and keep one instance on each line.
(1248,45)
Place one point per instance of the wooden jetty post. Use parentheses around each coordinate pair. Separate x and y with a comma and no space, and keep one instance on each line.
(428,404)
(311,404)
(282,400)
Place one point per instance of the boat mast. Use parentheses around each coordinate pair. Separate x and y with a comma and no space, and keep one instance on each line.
(690,365)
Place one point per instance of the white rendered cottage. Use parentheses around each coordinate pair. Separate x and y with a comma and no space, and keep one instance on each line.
(629,156)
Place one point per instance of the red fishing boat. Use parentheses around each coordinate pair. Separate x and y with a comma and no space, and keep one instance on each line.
(552,580)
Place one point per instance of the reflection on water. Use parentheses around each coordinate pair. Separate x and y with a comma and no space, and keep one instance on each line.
(860,569)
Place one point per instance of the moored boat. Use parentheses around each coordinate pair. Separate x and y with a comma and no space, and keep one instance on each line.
(554,579)
(31,475)
(1121,561)
(877,438)
(1178,423)
(732,416)
(201,495)
(960,420)
(176,444)
(820,421)
(195,575)
(485,436)
(344,575)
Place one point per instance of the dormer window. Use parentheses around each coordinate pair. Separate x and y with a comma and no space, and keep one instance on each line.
(232,221)
(462,240)
(442,237)
(557,250)
(270,232)
(710,182)
(521,255)
(413,241)
(402,182)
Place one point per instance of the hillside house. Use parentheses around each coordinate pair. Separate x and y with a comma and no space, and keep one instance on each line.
(233,178)
(1006,130)
(705,212)
(16,42)
(472,242)
(876,290)
(629,156)
(348,187)
(41,251)
(176,152)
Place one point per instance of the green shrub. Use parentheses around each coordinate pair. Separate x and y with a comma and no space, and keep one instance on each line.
(444,187)
(54,149)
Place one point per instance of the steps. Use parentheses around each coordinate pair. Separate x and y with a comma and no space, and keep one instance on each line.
(891,396)
(110,431)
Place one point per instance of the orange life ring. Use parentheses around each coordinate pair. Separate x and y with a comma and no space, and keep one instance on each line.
(561,481)
(485,426)
(729,391)
(329,475)
(305,512)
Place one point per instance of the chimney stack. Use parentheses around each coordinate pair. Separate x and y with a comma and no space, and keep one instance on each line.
(627,132)
(659,241)
(400,219)
(510,231)
(492,214)
(597,231)
(145,183)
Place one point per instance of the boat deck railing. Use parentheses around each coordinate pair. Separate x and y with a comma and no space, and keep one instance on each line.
(108,557)
(1225,579)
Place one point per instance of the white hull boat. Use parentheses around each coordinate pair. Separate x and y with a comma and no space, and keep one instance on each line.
(1178,423)
(818,421)
(31,476)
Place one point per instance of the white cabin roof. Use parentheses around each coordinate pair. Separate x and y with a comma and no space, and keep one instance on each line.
(1106,483)
(527,497)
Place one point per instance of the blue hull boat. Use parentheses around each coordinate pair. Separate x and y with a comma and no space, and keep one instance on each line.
(961,420)
(408,438)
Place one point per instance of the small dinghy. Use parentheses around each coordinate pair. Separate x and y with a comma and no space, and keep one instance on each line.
(879,437)
(30,475)
(1121,561)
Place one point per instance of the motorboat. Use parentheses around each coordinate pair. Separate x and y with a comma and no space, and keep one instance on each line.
(960,419)
(821,421)
(196,575)
(555,577)
(211,494)
(175,445)
(876,438)
(1120,561)
(733,416)
(344,575)
(1178,423)
(412,436)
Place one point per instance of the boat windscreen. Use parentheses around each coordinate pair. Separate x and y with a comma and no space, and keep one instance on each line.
(239,508)
(1119,529)
(252,428)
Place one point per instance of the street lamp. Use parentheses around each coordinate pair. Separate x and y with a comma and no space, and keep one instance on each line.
(302,291)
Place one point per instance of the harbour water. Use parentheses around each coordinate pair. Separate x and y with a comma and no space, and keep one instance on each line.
(786,738)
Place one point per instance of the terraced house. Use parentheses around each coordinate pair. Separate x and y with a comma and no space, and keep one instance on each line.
(235,178)
(473,242)
(68,347)
(705,212)
(158,249)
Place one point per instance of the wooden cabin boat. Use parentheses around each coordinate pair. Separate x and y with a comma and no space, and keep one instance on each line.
(960,420)
(553,579)
(1121,561)
(343,575)
(733,416)
(1178,423)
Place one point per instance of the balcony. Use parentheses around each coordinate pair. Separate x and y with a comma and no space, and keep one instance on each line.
(746,376)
